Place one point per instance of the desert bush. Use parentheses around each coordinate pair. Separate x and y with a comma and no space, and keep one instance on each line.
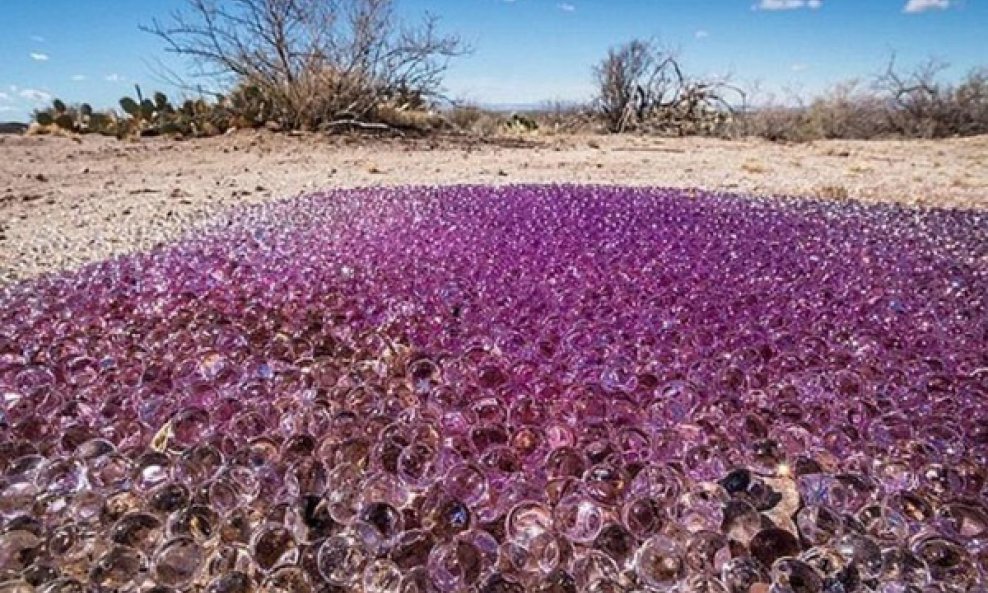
(464,115)
(642,87)
(917,104)
(845,111)
(316,61)
(920,105)
(476,120)
(628,81)
(560,117)
(403,117)
(489,123)
(777,123)
(970,98)
(910,104)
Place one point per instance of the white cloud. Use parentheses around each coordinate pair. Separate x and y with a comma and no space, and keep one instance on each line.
(701,34)
(917,6)
(35,96)
(798,67)
(4,108)
(787,4)
(114,78)
(37,39)
(4,96)
(78,77)
(566,7)
(39,57)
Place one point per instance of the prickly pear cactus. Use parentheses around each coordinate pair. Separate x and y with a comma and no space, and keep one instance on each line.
(147,109)
(101,123)
(130,107)
(65,122)
(161,102)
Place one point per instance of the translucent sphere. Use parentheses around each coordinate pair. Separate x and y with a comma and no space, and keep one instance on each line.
(118,567)
(498,389)
(579,517)
(381,576)
(341,559)
(177,562)
(660,563)
(455,566)
(527,521)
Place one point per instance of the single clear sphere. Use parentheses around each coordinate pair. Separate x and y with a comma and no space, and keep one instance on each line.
(341,559)
(660,563)
(177,562)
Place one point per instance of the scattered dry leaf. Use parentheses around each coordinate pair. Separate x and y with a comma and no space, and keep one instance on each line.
(832,192)
(754,167)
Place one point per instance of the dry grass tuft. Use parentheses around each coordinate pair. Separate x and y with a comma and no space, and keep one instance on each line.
(754,167)
(832,192)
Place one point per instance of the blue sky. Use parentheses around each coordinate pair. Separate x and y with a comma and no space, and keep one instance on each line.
(525,51)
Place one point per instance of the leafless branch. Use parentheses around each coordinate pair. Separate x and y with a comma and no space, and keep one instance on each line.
(640,85)
(319,60)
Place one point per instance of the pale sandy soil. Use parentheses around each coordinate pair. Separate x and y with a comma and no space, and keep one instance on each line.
(65,202)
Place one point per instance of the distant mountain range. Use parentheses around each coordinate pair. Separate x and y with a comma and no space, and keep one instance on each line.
(12,127)
(507,107)
(523,107)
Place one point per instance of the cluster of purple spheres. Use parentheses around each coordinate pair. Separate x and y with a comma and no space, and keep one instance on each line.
(554,389)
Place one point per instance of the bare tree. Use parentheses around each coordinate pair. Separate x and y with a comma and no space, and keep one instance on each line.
(900,102)
(971,99)
(640,84)
(623,81)
(317,60)
(918,104)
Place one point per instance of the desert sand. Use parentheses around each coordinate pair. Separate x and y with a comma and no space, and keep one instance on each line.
(68,201)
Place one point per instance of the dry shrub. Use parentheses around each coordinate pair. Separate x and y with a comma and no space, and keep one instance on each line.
(474,119)
(317,61)
(488,123)
(754,167)
(557,117)
(922,106)
(464,116)
(846,111)
(913,104)
(970,99)
(629,81)
(419,120)
(832,192)
(642,87)
(775,123)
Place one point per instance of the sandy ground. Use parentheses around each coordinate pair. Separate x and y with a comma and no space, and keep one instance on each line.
(68,201)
